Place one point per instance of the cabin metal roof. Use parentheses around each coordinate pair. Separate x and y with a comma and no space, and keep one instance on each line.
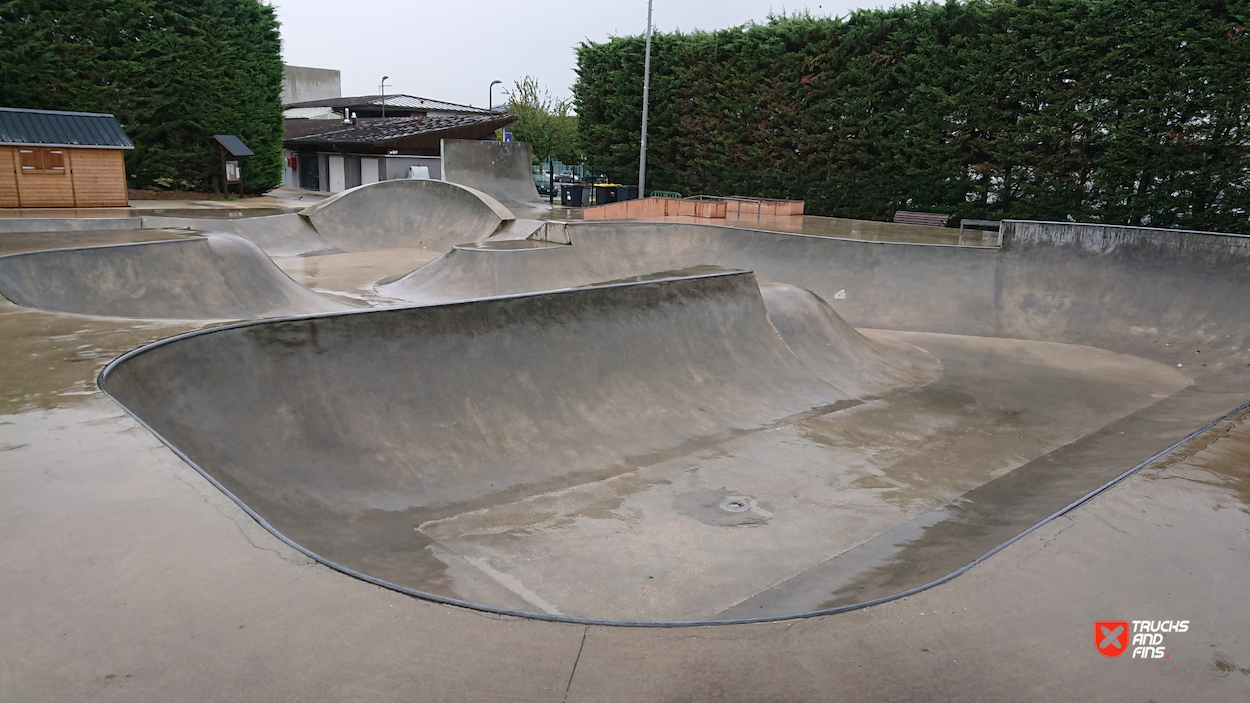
(21,127)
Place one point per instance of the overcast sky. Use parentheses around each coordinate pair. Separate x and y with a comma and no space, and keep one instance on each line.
(452,49)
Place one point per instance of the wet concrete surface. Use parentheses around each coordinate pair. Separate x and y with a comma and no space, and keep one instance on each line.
(50,357)
(213,209)
(129,577)
(355,275)
(812,225)
(49,212)
(15,242)
(640,546)
(121,568)
(1165,544)
(507,244)
(211,213)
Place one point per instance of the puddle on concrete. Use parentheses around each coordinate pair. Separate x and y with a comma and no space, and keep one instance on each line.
(939,542)
(508,245)
(354,275)
(51,360)
(217,213)
(1219,459)
(15,242)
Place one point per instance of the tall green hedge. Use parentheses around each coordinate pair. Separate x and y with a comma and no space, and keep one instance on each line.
(1135,111)
(174,72)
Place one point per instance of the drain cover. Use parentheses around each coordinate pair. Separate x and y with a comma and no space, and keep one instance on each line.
(734,505)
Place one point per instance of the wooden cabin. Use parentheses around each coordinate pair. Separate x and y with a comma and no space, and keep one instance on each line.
(61,159)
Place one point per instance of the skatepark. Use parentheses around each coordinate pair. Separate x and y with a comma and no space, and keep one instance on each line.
(437,440)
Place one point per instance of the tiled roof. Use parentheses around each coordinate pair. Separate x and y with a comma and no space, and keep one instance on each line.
(378,130)
(55,128)
(406,102)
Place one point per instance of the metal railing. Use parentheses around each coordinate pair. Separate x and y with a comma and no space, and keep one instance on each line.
(995,224)
(759,205)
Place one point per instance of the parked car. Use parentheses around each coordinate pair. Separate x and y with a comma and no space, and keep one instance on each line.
(543,183)
(566,176)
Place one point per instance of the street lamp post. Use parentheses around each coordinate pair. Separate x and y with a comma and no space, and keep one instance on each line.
(646,87)
(382,89)
(490,99)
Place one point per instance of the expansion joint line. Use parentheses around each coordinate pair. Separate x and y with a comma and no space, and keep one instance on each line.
(580,647)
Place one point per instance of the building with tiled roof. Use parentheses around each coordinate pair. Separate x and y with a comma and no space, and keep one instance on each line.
(336,154)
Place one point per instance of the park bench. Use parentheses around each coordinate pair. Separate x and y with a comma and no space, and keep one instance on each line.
(927,219)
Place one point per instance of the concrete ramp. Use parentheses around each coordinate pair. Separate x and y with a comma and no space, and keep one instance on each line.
(682,447)
(204,278)
(650,451)
(501,169)
(407,213)
(519,229)
(871,276)
(345,432)
(1061,319)
(1117,287)
(838,353)
(490,269)
(277,235)
(411,213)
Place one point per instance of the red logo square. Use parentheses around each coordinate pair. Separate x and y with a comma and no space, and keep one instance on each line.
(1111,637)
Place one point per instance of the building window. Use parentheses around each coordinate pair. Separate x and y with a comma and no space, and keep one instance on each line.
(39,160)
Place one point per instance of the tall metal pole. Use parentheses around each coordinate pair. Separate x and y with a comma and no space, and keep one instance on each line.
(490,100)
(646,94)
(382,87)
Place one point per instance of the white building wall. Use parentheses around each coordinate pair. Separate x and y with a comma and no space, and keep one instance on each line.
(302,83)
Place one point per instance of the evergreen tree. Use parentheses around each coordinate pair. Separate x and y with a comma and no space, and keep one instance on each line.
(173,72)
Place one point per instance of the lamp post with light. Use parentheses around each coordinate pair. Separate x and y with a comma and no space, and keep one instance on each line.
(382,89)
(490,99)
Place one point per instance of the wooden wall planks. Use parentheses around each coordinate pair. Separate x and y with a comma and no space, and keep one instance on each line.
(92,178)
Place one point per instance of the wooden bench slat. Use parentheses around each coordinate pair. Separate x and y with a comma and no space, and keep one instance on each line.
(927,219)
